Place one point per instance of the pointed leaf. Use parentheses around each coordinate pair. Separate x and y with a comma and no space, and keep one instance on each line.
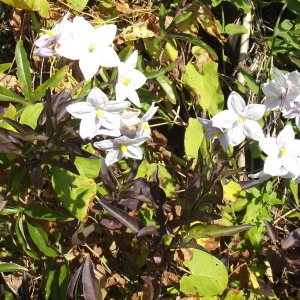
(73,285)
(9,96)
(11,267)
(272,232)
(292,240)
(167,86)
(91,285)
(4,67)
(23,70)
(132,223)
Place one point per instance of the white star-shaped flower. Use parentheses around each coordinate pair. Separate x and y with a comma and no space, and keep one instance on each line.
(283,154)
(282,91)
(293,113)
(98,113)
(91,46)
(212,132)
(129,80)
(121,147)
(240,119)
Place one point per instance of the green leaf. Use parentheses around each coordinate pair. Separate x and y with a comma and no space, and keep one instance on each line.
(195,41)
(40,238)
(10,114)
(41,6)
(75,191)
(162,18)
(46,213)
(57,281)
(209,276)
(19,230)
(166,84)
(4,67)
(9,96)
(51,83)
(205,231)
(11,267)
(77,4)
(204,86)
(153,73)
(30,114)
(253,85)
(23,70)
(242,4)
(294,6)
(191,143)
(235,29)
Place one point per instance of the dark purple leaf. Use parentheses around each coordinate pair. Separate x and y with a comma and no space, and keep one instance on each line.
(107,176)
(59,161)
(111,224)
(21,128)
(91,285)
(133,170)
(272,232)
(292,240)
(132,223)
(148,230)
(193,189)
(60,112)
(264,288)
(249,184)
(80,236)
(132,194)
(148,280)
(73,285)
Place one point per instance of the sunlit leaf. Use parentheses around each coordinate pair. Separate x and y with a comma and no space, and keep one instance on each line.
(41,6)
(75,191)
(11,267)
(31,114)
(77,4)
(208,275)
(167,86)
(235,29)
(4,67)
(7,95)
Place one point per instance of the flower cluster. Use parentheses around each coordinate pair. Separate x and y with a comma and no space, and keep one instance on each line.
(124,130)
(239,121)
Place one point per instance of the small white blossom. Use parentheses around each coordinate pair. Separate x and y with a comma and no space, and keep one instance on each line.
(121,147)
(282,91)
(91,46)
(283,154)
(212,132)
(98,115)
(240,120)
(293,113)
(129,80)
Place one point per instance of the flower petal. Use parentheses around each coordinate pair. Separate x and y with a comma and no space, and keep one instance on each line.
(236,103)
(89,65)
(236,135)
(253,130)
(134,152)
(81,110)
(105,145)
(255,111)
(224,119)
(269,146)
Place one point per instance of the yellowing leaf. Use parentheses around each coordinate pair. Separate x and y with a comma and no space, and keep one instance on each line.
(41,6)
(134,32)
(231,191)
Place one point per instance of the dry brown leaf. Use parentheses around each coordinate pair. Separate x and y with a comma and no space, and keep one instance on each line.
(10,82)
(208,22)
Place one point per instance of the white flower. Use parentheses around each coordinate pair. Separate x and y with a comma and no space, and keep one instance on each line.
(143,127)
(212,132)
(283,154)
(293,113)
(91,46)
(282,91)
(55,35)
(98,115)
(129,80)
(240,120)
(121,147)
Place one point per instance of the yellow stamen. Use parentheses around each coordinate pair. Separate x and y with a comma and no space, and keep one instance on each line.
(92,47)
(126,80)
(283,151)
(146,126)
(50,32)
(123,148)
(240,120)
(217,133)
(99,113)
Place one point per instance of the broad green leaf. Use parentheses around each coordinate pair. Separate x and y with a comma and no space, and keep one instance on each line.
(11,267)
(23,70)
(193,139)
(88,167)
(231,191)
(166,181)
(11,211)
(40,238)
(235,294)
(75,191)
(9,96)
(198,231)
(208,275)
(30,114)
(41,6)
(77,4)
(10,114)
(4,67)
(204,86)
(235,29)
(166,84)
(46,213)
(51,83)
(195,41)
